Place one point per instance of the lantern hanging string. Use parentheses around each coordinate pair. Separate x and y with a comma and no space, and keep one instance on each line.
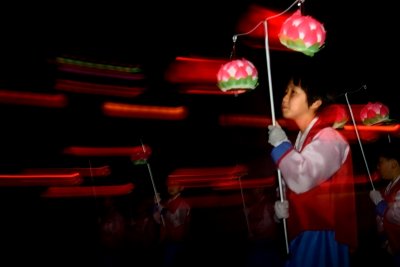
(299,2)
(234,38)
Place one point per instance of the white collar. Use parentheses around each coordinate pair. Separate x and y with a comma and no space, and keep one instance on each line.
(392,183)
(301,137)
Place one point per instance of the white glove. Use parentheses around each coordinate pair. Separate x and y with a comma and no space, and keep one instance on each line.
(276,135)
(375,196)
(281,209)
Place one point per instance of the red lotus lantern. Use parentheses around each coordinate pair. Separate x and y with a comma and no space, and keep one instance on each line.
(335,114)
(237,75)
(303,34)
(374,113)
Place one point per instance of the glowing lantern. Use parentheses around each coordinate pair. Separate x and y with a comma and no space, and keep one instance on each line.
(374,113)
(303,34)
(336,115)
(237,75)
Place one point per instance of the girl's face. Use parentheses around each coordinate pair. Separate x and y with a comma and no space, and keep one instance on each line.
(294,103)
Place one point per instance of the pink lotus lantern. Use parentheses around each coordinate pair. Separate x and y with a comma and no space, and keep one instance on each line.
(374,113)
(237,75)
(303,34)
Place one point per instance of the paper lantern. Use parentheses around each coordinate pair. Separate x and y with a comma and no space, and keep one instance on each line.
(238,75)
(373,113)
(303,34)
(336,115)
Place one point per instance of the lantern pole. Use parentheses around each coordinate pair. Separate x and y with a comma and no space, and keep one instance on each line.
(156,195)
(271,98)
(299,2)
(359,139)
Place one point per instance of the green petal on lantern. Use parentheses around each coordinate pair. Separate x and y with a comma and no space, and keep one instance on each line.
(139,162)
(376,120)
(298,45)
(339,124)
(248,82)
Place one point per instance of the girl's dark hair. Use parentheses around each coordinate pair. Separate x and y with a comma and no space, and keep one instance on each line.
(390,150)
(317,82)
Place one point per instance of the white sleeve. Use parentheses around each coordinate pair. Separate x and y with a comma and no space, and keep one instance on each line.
(317,161)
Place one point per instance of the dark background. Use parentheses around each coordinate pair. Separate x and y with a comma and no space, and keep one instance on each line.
(359,50)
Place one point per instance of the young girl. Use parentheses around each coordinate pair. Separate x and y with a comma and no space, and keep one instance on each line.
(174,217)
(387,201)
(317,177)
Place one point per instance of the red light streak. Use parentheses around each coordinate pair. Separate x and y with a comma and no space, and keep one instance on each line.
(187,70)
(145,112)
(205,177)
(136,152)
(95,88)
(264,182)
(33,99)
(85,172)
(41,179)
(253,17)
(88,191)
(100,72)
